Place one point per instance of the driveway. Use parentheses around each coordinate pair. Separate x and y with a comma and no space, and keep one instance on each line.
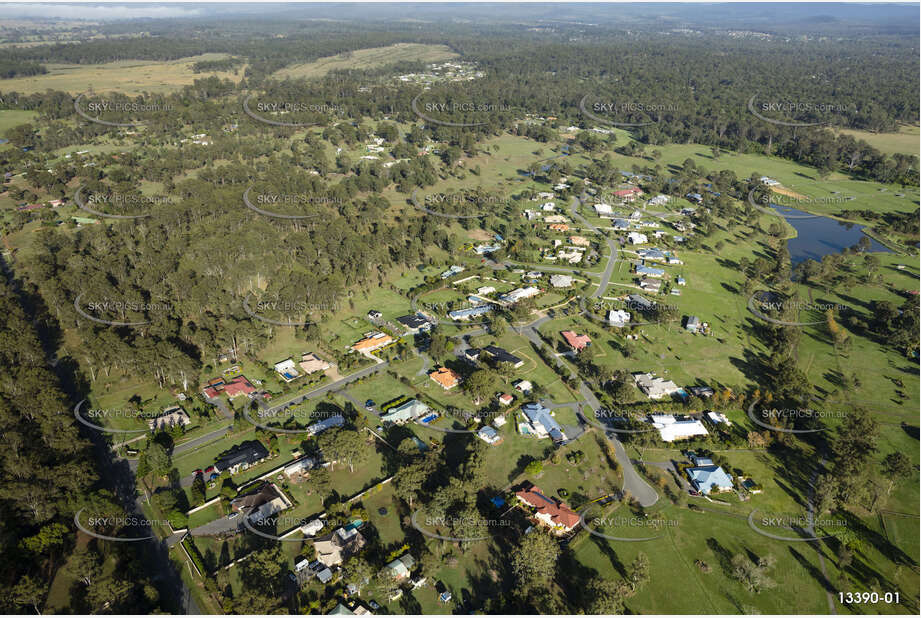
(633,482)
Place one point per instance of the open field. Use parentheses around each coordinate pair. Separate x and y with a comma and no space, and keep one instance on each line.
(905,141)
(131,77)
(368,59)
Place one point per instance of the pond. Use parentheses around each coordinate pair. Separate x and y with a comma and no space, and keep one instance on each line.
(820,236)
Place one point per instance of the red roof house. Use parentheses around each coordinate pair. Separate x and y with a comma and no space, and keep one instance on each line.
(548,511)
(576,342)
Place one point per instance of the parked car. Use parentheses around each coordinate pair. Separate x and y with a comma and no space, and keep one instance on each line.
(233,515)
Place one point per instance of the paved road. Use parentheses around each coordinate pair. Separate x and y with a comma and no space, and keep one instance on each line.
(208,437)
(633,482)
(218,526)
(612,248)
(331,387)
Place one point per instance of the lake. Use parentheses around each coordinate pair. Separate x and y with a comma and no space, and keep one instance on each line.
(820,236)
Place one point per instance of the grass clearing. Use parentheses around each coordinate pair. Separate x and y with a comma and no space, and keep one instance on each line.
(365,59)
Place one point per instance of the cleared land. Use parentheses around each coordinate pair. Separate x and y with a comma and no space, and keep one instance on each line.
(131,77)
(368,59)
(906,140)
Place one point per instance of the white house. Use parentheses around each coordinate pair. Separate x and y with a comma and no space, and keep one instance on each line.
(672,429)
(604,210)
(635,238)
(653,387)
(561,281)
(618,318)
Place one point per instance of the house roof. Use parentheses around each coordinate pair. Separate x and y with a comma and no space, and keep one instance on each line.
(560,513)
(412,321)
(501,354)
(578,342)
(704,477)
(311,362)
(446,377)
(370,343)
(248,452)
(239,386)
(538,415)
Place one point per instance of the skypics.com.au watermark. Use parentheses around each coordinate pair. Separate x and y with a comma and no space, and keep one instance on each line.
(777,204)
(100,414)
(625,113)
(119,113)
(793,416)
(624,528)
(106,306)
(761,302)
(605,416)
(121,200)
(459,205)
(262,309)
(794,112)
(429,526)
(447,112)
(297,113)
(775,525)
(306,206)
(121,523)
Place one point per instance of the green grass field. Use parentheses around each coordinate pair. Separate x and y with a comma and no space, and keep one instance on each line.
(904,141)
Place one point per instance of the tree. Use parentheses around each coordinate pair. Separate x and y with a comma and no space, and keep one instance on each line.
(534,468)
(896,466)
(534,561)
(357,571)
(157,459)
(481,384)
(605,597)
(343,445)
(29,591)
(639,571)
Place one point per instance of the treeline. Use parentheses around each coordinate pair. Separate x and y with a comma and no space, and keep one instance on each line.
(46,476)
(9,70)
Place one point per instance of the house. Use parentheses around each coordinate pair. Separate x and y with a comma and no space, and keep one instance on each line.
(501,355)
(241,457)
(579,241)
(333,549)
(653,255)
(548,206)
(697,198)
(311,363)
(170,418)
(573,257)
(671,429)
(263,502)
(400,568)
(653,387)
(701,391)
(234,388)
(486,289)
(559,227)
(541,423)
(604,210)
(618,318)
(489,435)
(372,342)
(470,312)
(405,412)
(312,527)
(681,281)
(327,423)
(651,285)
(628,195)
(415,323)
(299,468)
(621,224)
(576,342)
(534,274)
(287,370)
(556,219)
(561,281)
(707,479)
(505,399)
(447,378)
(375,315)
(499,421)
(454,270)
(718,418)
(673,261)
(635,238)
(523,386)
(769,181)
(472,354)
(649,271)
(659,200)
(693,324)
(519,294)
(548,511)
